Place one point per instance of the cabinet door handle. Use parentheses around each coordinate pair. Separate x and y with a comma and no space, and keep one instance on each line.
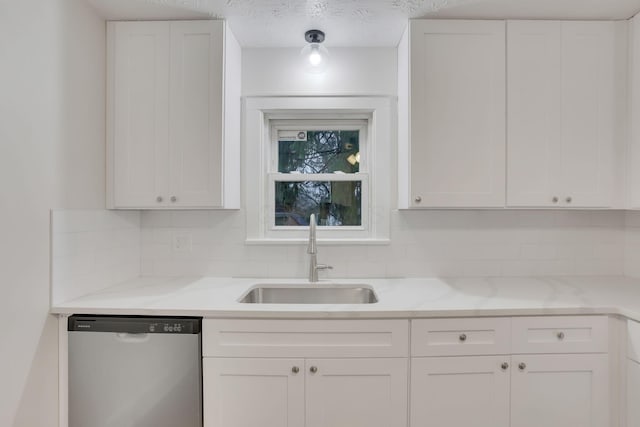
(560,335)
(174,199)
(504,366)
(568,199)
(313,369)
(418,199)
(555,200)
(462,337)
(522,366)
(159,199)
(295,369)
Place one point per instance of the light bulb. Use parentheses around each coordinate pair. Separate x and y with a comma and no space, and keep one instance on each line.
(315,57)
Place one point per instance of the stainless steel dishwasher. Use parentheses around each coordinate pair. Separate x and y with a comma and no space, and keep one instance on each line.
(135,371)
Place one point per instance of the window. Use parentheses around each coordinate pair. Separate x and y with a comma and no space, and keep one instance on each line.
(305,160)
(318,167)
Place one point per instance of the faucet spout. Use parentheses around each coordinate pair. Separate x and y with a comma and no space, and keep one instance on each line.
(312,250)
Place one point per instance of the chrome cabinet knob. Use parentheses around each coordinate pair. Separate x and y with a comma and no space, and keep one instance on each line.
(462,337)
(555,200)
(174,199)
(560,335)
(504,366)
(418,199)
(159,199)
(295,369)
(568,199)
(522,366)
(313,369)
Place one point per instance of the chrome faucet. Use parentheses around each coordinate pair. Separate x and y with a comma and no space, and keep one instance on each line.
(313,251)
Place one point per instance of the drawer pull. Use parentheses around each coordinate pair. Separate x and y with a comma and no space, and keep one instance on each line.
(504,366)
(295,369)
(313,369)
(463,337)
(522,366)
(560,335)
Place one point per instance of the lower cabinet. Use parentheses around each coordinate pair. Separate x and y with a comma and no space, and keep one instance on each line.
(460,391)
(253,392)
(244,392)
(560,390)
(550,371)
(519,391)
(633,393)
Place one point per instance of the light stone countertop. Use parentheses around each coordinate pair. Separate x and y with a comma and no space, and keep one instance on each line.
(398,298)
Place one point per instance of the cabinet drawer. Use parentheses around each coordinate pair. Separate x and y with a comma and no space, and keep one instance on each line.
(559,334)
(633,340)
(459,337)
(305,338)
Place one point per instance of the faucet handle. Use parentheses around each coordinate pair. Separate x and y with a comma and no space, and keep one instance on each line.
(324,267)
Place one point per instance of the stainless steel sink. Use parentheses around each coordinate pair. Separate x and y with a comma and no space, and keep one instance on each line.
(310,294)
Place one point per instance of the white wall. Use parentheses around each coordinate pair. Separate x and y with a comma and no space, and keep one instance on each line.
(51,81)
(351,71)
(92,250)
(423,243)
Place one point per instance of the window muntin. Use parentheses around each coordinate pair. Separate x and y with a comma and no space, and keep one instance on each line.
(319,151)
(317,167)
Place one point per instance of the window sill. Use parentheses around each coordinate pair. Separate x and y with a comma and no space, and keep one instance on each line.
(323,242)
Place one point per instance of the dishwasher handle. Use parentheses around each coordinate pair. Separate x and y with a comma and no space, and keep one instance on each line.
(130,338)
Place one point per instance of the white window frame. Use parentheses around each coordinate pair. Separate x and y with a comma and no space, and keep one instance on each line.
(264,115)
(271,230)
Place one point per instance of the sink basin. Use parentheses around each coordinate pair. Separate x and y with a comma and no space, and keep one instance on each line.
(310,294)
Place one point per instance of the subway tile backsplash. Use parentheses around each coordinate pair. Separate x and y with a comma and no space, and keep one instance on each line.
(423,243)
(92,250)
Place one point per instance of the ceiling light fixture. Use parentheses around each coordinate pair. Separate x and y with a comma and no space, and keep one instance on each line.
(315,53)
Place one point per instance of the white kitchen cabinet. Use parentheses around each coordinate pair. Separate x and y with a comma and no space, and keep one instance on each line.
(561,128)
(343,372)
(173,115)
(460,391)
(243,392)
(633,152)
(356,392)
(253,392)
(633,393)
(478,377)
(454,151)
(560,390)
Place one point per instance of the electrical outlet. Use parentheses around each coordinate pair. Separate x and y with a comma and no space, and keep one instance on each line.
(182,242)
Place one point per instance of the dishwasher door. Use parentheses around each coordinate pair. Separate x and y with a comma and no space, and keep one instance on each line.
(135,372)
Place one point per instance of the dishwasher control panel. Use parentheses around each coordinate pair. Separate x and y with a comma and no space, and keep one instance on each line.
(135,325)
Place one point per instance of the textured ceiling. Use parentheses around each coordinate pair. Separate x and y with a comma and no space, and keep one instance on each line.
(282,23)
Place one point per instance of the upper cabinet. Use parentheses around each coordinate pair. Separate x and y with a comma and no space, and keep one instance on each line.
(455,144)
(561,124)
(633,158)
(173,115)
(536,110)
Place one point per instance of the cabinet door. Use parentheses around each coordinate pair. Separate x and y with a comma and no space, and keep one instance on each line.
(560,390)
(196,114)
(534,60)
(588,134)
(253,392)
(356,393)
(457,147)
(460,391)
(561,93)
(140,112)
(633,393)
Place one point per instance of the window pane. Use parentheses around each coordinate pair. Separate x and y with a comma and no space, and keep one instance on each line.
(323,151)
(335,203)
